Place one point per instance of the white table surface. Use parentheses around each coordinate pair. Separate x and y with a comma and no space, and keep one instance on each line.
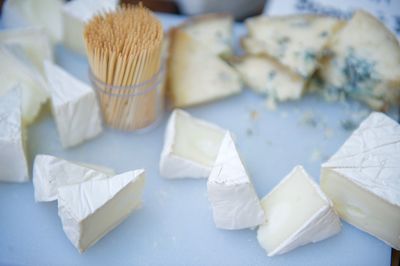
(175,225)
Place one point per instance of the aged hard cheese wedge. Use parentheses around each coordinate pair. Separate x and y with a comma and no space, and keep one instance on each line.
(89,210)
(50,173)
(44,13)
(296,41)
(16,68)
(196,74)
(266,76)
(214,31)
(231,193)
(76,14)
(33,41)
(74,105)
(363,179)
(298,213)
(13,165)
(190,146)
(366,62)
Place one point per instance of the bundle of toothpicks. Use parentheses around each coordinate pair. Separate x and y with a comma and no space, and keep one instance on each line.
(124,52)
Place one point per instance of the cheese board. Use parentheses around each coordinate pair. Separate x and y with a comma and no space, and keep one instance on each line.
(175,225)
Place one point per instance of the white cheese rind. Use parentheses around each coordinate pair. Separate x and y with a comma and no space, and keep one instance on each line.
(176,165)
(190,82)
(74,106)
(16,68)
(33,41)
(297,213)
(231,193)
(13,164)
(76,14)
(50,173)
(363,178)
(90,210)
(42,13)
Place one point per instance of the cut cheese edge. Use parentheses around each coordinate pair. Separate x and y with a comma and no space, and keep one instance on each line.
(196,74)
(16,68)
(50,173)
(366,62)
(231,193)
(13,164)
(89,210)
(297,213)
(296,41)
(363,178)
(215,31)
(190,146)
(266,76)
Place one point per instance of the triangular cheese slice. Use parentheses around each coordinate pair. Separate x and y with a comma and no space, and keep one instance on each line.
(13,165)
(297,213)
(74,105)
(196,74)
(297,41)
(50,173)
(33,41)
(231,193)
(17,70)
(363,178)
(89,210)
(366,62)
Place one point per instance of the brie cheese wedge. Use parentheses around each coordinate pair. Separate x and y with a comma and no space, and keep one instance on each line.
(75,14)
(266,76)
(213,30)
(74,105)
(33,41)
(363,179)
(366,63)
(196,74)
(190,146)
(50,173)
(91,209)
(234,201)
(13,165)
(42,13)
(16,69)
(297,213)
(297,41)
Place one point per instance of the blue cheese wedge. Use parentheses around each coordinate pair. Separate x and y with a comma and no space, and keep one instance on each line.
(16,68)
(363,179)
(196,74)
(89,210)
(296,41)
(74,105)
(33,41)
(366,62)
(190,146)
(13,165)
(297,213)
(233,199)
(214,31)
(75,14)
(43,13)
(50,173)
(266,76)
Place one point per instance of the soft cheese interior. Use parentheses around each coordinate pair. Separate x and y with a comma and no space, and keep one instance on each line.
(297,213)
(107,202)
